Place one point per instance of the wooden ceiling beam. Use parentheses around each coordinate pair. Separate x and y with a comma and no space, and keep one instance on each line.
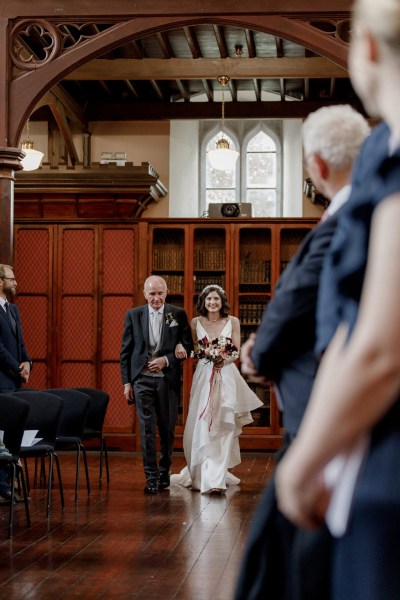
(63,125)
(207,110)
(207,68)
(192,42)
(220,37)
(208,89)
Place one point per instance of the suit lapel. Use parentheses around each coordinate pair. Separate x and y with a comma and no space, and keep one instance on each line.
(12,316)
(164,328)
(144,320)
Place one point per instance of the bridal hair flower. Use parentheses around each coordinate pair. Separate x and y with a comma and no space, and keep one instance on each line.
(213,286)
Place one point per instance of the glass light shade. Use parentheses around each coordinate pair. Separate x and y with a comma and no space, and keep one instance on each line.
(32,158)
(223,158)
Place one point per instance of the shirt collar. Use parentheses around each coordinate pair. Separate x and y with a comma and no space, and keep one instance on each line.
(339,199)
(3,301)
(152,311)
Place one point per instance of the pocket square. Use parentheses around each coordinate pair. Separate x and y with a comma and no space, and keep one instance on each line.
(173,323)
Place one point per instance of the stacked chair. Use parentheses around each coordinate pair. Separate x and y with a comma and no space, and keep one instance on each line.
(45,416)
(71,428)
(93,430)
(14,414)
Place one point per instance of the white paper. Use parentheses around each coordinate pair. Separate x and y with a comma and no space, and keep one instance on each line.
(341,476)
(29,438)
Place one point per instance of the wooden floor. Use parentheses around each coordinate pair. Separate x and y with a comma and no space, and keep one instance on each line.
(119,543)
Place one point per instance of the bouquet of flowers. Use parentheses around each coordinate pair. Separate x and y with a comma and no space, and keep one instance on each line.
(216,350)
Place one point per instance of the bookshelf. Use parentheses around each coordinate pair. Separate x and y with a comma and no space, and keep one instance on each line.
(245,257)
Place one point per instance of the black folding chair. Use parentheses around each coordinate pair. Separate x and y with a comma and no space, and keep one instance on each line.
(14,413)
(98,403)
(45,416)
(71,428)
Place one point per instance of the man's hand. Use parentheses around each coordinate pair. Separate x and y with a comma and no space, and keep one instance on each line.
(157,364)
(247,366)
(128,393)
(24,371)
(180,351)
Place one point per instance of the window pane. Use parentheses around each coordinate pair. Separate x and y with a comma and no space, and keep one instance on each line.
(261,169)
(261,142)
(263,201)
(217,179)
(220,196)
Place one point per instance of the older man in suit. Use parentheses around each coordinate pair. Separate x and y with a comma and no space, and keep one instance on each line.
(151,374)
(280,560)
(15,364)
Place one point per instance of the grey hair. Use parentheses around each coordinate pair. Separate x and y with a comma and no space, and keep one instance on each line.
(335,133)
(382,19)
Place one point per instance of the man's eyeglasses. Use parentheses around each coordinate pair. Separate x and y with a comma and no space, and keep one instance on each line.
(10,278)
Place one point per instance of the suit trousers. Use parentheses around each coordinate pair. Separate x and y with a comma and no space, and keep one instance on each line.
(157,406)
(281,561)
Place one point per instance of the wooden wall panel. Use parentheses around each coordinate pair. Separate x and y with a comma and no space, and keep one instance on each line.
(118,283)
(77,331)
(33,269)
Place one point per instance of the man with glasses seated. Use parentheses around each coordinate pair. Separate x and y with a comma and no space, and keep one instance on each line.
(15,363)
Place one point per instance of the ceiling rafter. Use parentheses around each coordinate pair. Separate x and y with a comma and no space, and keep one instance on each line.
(203,68)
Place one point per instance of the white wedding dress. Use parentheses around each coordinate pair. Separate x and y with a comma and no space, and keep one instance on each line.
(217,412)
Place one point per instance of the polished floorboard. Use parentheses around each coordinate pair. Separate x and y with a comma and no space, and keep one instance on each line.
(120,543)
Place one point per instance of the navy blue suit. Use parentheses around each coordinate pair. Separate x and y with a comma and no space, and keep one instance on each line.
(329,305)
(12,351)
(280,562)
(366,558)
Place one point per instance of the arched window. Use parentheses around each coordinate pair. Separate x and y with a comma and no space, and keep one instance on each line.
(220,185)
(256,176)
(261,175)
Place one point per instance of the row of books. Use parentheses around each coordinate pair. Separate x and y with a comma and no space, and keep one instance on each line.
(168,258)
(201,281)
(209,258)
(175,283)
(255,271)
(251,314)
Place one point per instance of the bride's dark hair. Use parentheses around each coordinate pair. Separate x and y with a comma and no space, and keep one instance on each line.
(201,302)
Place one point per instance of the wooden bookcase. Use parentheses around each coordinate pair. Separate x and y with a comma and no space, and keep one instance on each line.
(89,272)
(246,258)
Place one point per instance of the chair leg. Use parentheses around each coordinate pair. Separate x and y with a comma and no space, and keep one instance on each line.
(27,476)
(50,481)
(78,462)
(60,485)
(86,468)
(11,514)
(103,448)
(25,496)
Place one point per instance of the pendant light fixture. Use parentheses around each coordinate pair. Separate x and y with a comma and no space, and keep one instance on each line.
(223,158)
(32,158)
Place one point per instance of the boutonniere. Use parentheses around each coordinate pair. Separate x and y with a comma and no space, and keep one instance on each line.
(170,321)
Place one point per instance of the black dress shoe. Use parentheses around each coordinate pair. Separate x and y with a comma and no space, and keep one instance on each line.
(163,481)
(151,487)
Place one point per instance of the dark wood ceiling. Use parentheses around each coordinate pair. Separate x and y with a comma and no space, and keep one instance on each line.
(174,75)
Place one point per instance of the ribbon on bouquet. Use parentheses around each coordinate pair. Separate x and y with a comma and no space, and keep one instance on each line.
(213,397)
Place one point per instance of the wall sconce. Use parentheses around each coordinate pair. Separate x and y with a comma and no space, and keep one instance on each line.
(32,158)
(223,158)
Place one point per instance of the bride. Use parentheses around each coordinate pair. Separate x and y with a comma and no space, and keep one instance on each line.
(220,402)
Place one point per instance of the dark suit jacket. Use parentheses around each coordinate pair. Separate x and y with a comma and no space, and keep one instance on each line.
(284,347)
(329,304)
(12,350)
(135,343)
